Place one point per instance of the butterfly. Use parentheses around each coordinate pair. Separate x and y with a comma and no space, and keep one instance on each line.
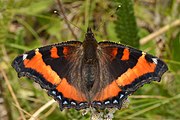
(89,74)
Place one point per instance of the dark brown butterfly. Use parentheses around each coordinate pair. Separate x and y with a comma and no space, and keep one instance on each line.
(89,74)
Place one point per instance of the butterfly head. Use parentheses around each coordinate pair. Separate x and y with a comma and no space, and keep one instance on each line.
(90,46)
(89,31)
(90,36)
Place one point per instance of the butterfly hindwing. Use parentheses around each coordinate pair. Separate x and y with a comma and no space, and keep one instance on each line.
(49,66)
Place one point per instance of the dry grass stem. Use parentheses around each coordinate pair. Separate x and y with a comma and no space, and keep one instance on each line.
(159,32)
(147,96)
(65,18)
(41,109)
(13,94)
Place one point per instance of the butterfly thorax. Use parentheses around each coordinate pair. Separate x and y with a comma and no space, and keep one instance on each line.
(90,61)
(89,48)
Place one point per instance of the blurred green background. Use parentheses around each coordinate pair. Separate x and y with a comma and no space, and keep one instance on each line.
(29,24)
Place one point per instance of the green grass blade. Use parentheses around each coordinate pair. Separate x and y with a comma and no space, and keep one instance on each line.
(126,27)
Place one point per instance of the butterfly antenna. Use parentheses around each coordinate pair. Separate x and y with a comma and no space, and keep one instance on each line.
(89,30)
(65,18)
(112,12)
(58,14)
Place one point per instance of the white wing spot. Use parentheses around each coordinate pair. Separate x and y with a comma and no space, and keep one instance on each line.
(98,103)
(121,96)
(81,104)
(143,53)
(73,103)
(59,97)
(25,56)
(155,60)
(54,92)
(65,102)
(107,102)
(115,101)
(37,50)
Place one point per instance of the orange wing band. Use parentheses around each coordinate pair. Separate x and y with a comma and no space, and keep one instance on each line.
(70,92)
(37,64)
(109,91)
(142,67)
